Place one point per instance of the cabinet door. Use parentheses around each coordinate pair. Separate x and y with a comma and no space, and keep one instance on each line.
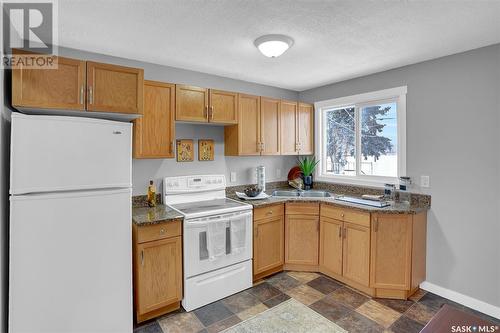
(301,239)
(330,245)
(154,132)
(114,88)
(249,125)
(223,107)
(288,122)
(158,274)
(61,88)
(356,253)
(391,251)
(268,244)
(305,125)
(191,103)
(270,125)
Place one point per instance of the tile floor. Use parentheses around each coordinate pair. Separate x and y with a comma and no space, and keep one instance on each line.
(349,309)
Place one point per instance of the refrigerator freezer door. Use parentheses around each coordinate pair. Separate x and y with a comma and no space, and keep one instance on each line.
(53,153)
(70,262)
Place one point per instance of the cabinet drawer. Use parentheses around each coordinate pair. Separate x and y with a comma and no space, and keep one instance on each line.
(158,231)
(302,208)
(346,214)
(269,211)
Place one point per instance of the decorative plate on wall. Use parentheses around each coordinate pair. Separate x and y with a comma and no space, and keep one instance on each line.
(185,151)
(205,150)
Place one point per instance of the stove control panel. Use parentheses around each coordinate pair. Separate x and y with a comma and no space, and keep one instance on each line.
(194,183)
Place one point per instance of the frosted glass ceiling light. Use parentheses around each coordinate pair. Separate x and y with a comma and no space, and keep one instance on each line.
(273,46)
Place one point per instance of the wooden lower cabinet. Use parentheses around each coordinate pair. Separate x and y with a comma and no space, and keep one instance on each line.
(330,245)
(356,253)
(398,252)
(157,270)
(268,240)
(301,236)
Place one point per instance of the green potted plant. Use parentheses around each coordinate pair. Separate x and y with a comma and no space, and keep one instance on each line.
(307,165)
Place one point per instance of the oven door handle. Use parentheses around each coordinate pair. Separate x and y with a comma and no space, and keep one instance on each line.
(203,221)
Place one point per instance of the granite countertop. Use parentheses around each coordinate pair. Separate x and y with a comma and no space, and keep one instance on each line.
(153,215)
(396,208)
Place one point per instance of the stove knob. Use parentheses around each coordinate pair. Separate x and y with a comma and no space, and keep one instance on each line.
(219,181)
(176,184)
(169,184)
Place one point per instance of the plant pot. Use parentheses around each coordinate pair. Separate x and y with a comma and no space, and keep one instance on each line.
(308,182)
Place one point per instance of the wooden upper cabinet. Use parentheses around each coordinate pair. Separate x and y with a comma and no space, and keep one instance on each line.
(154,132)
(330,246)
(112,88)
(191,103)
(391,251)
(244,138)
(268,244)
(356,253)
(288,133)
(305,129)
(223,107)
(270,125)
(61,88)
(158,274)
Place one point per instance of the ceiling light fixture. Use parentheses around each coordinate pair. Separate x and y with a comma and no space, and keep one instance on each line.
(273,46)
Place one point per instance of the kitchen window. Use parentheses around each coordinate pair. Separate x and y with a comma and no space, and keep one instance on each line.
(361,139)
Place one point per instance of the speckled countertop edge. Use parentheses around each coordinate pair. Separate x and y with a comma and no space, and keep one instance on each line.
(396,208)
(142,216)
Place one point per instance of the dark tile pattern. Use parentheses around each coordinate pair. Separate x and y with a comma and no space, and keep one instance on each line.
(357,323)
(283,281)
(349,309)
(348,297)
(324,285)
(212,313)
(276,300)
(240,302)
(153,327)
(264,291)
(330,309)
(400,305)
(406,325)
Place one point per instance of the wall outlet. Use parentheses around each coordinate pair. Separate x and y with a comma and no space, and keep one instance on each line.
(232,178)
(278,173)
(425,181)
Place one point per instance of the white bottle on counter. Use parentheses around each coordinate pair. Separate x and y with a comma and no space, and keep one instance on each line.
(261,177)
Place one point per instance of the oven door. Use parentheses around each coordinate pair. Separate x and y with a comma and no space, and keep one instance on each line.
(196,259)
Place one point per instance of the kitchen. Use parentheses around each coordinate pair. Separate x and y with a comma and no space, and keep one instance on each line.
(293,258)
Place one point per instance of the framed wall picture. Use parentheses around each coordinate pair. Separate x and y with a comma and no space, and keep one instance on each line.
(206,150)
(185,150)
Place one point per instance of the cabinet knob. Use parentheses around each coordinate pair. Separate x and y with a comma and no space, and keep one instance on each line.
(342,214)
(162,231)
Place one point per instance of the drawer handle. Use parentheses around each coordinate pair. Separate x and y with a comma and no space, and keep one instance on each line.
(269,212)
(117,132)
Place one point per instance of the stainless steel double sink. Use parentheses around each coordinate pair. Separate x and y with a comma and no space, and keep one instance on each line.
(301,194)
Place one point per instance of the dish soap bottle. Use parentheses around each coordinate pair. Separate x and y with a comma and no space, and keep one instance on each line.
(151,194)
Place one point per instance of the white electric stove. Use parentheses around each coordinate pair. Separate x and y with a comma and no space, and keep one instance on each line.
(217,238)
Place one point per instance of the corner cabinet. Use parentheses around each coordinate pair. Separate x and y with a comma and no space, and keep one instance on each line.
(301,236)
(157,262)
(257,131)
(154,132)
(297,128)
(78,85)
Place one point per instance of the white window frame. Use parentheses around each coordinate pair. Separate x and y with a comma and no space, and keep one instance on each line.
(397,95)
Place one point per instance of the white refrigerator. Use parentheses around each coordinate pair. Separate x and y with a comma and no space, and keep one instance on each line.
(70,258)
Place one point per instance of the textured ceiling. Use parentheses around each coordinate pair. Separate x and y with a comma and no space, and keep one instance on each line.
(334,40)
